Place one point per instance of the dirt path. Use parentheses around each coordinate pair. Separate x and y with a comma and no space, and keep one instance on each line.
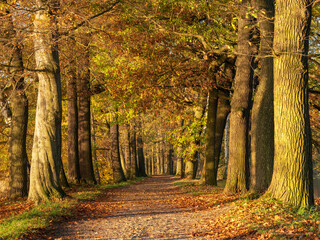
(148,210)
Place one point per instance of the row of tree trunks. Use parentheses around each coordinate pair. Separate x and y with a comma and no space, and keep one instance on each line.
(285,153)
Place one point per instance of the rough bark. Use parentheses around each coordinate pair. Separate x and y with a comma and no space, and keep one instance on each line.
(118,175)
(209,162)
(73,145)
(17,146)
(44,175)
(292,177)
(240,107)
(262,127)
(85,154)
(17,142)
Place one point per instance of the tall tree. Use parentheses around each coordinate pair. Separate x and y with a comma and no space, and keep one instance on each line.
(17,143)
(45,167)
(118,174)
(73,146)
(16,116)
(240,106)
(209,165)
(85,154)
(133,151)
(141,160)
(292,177)
(262,137)
(127,153)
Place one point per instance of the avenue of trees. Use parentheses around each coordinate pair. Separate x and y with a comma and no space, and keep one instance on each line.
(104,91)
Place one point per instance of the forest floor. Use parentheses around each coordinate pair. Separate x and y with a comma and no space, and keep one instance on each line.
(162,207)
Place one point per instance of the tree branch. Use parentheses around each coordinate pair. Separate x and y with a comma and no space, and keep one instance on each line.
(90,18)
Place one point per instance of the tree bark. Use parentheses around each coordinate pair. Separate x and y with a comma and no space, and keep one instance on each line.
(262,127)
(292,177)
(118,175)
(142,168)
(73,145)
(133,152)
(94,151)
(85,154)
(223,111)
(180,164)
(127,152)
(240,107)
(170,159)
(209,163)
(18,133)
(46,152)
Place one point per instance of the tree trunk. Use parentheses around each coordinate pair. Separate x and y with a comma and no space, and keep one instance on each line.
(94,151)
(240,108)
(17,119)
(142,168)
(292,177)
(85,154)
(127,152)
(180,164)
(190,172)
(44,175)
(170,160)
(208,175)
(133,152)
(122,159)
(73,150)
(226,146)
(262,127)
(118,175)
(223,111)
(17,146)
(162,158)
(152,162)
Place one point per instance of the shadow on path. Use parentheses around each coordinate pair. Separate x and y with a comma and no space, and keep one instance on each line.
(147,210)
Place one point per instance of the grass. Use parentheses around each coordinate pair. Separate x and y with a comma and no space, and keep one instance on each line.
(42,215)
(38,217)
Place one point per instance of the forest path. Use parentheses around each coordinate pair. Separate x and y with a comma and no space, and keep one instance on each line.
(152,209)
